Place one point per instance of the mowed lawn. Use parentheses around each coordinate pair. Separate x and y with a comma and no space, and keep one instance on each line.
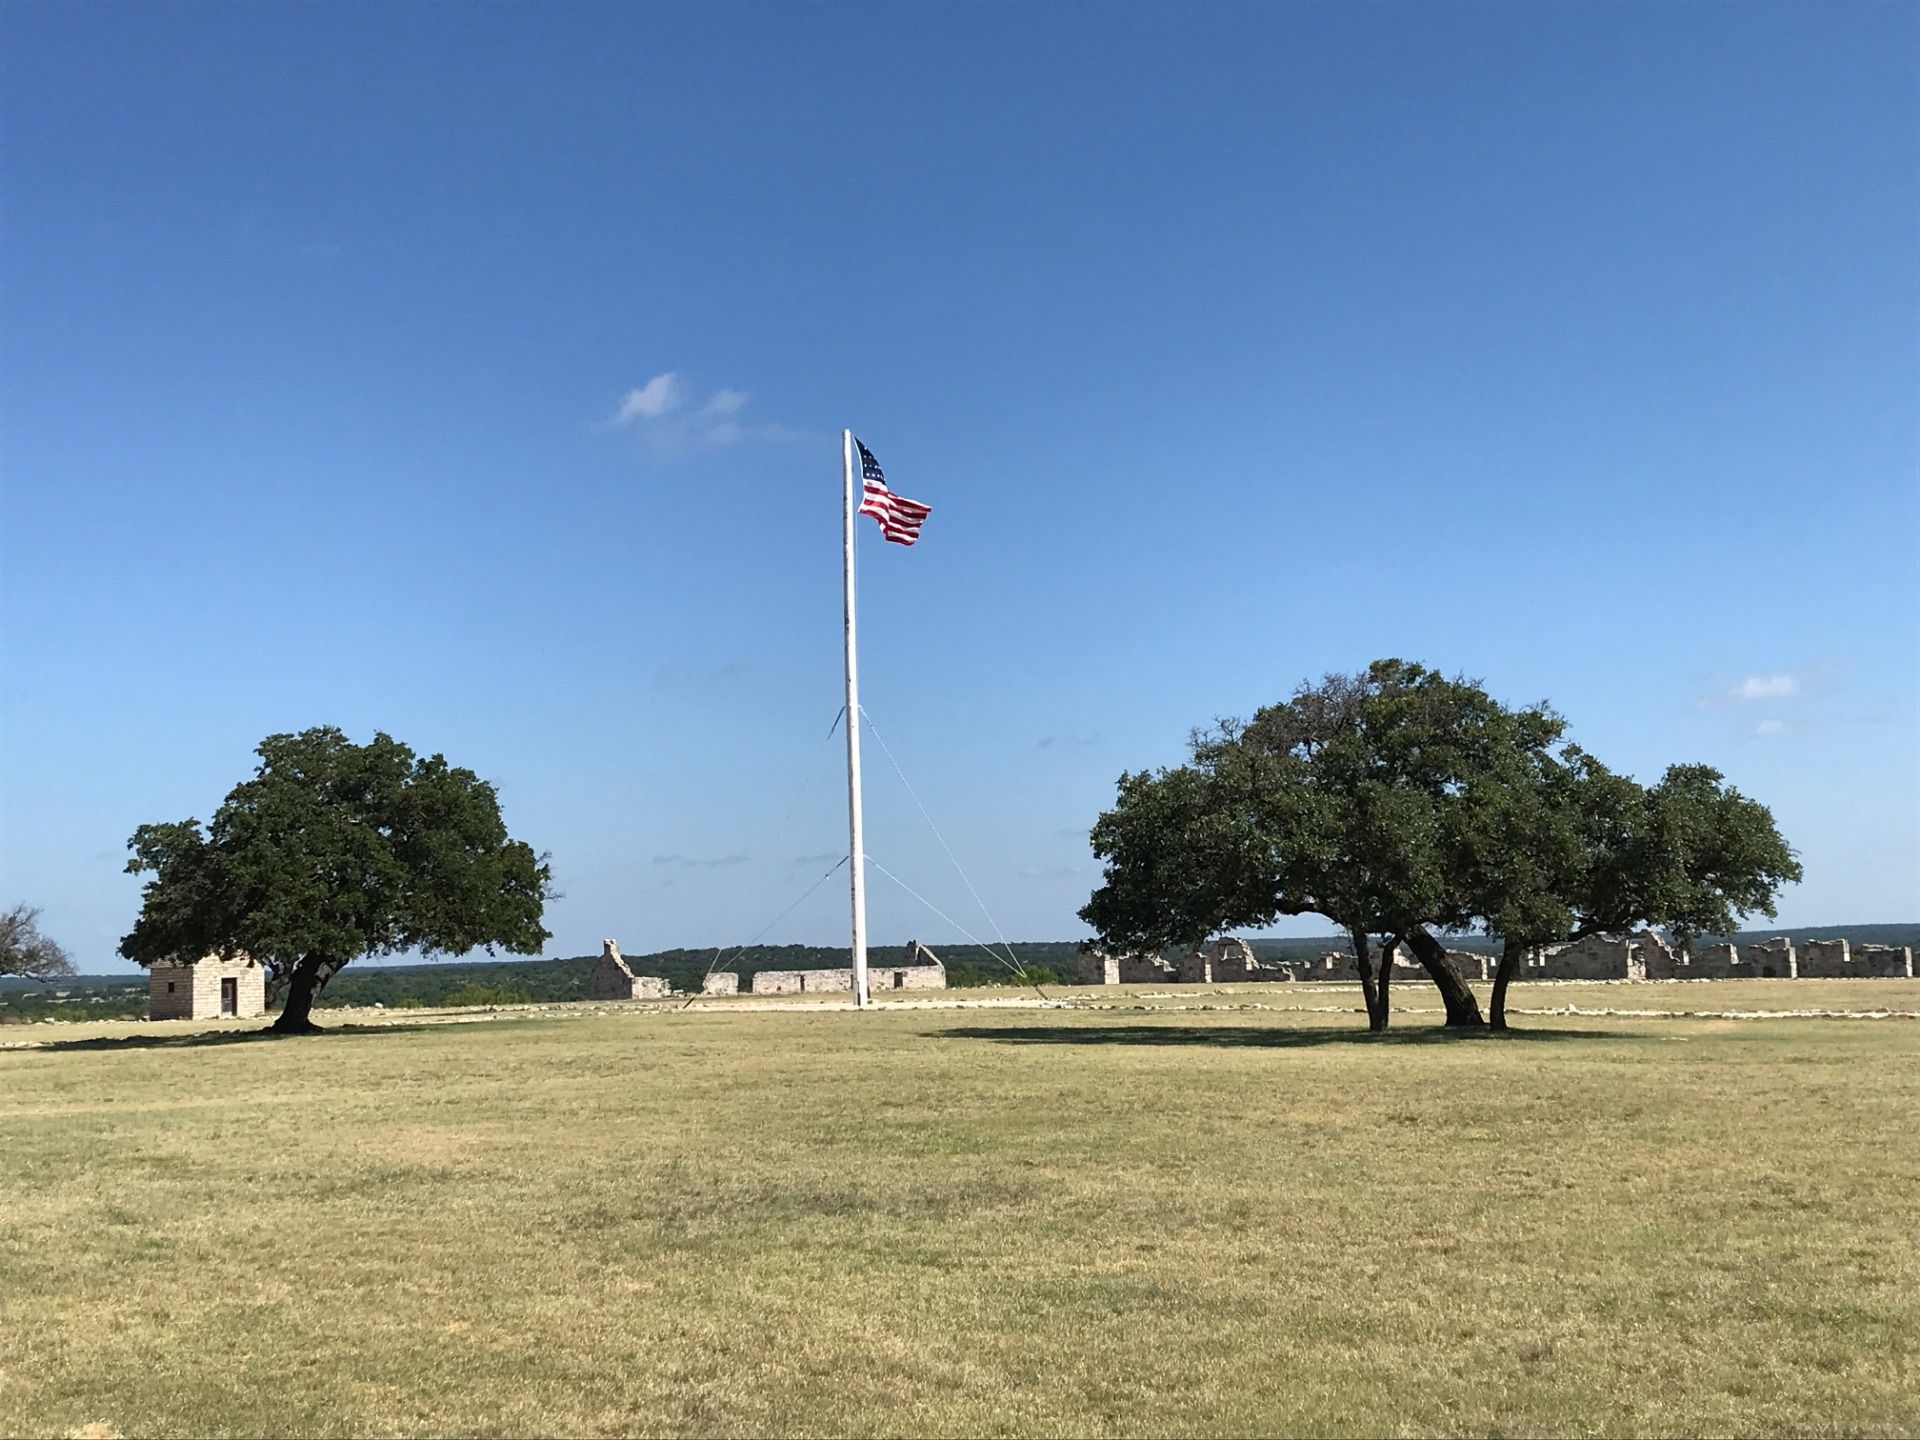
(1086,1221)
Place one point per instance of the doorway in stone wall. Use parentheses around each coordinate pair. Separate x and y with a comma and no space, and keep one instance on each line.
(229,996)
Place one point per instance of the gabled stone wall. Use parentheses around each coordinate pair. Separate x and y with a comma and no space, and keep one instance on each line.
(612,980)
(1234,963)
(721,982)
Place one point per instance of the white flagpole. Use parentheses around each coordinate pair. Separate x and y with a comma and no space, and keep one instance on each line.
(856,853)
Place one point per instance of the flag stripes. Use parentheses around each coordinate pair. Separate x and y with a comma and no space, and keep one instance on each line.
(900,518)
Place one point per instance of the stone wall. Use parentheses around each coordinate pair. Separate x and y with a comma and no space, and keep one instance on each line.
(1885,961)
(1234,964)
(1194,969)
(1835,959)
(192,992)
(906,977)
(1643,955)
(1096,967)
(1823,958)
(1145,970)
(923,971)
(1595,957)
(721,982)
(1334,965)
(1658,960)
(612,980)
(1774,958)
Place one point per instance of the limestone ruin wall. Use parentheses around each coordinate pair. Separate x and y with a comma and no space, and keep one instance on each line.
(613,980)
(1644,955)
(923,971)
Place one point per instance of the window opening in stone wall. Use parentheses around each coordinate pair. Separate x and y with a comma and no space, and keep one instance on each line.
(169,987)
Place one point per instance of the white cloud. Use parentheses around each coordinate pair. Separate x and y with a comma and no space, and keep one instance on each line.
(1768,728)
(1767,687)
(650,401)
(672,428)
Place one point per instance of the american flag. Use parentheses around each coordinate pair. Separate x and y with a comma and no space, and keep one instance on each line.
(900,518)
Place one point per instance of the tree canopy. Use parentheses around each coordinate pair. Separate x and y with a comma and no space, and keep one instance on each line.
(25,951)
(333,851)
(1403,804)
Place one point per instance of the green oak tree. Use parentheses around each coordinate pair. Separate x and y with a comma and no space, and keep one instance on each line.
(333,851)
(25,951)
(1401,804)
(1338,802)
(1573,849)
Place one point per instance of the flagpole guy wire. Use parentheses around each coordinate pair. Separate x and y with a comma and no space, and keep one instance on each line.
(742,949)
(959,869)
(977,941)
(779,834)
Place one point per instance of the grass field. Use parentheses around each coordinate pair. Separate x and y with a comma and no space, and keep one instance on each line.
(1154,1218)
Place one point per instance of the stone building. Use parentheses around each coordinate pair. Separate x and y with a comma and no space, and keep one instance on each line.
(1145,970)
(1775,958)
(210,989)
(1231,961)
(922,971)
(1824,958)
(1642,955)
(1836,959)
(1884,960)
(1334,965)
(1096,967)
(721,982)
(1713,962)
(613,980)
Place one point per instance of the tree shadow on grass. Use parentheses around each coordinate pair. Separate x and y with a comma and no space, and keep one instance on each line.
(1262,1037)
(219,1037)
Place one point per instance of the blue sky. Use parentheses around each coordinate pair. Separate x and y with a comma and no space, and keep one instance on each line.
(1572,347)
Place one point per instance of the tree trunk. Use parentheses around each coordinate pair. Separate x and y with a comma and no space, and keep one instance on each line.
(1462,1009)
(1511,954)
(296,1015)
(1375,991)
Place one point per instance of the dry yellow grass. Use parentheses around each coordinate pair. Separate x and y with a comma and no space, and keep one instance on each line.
(1154,1219)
